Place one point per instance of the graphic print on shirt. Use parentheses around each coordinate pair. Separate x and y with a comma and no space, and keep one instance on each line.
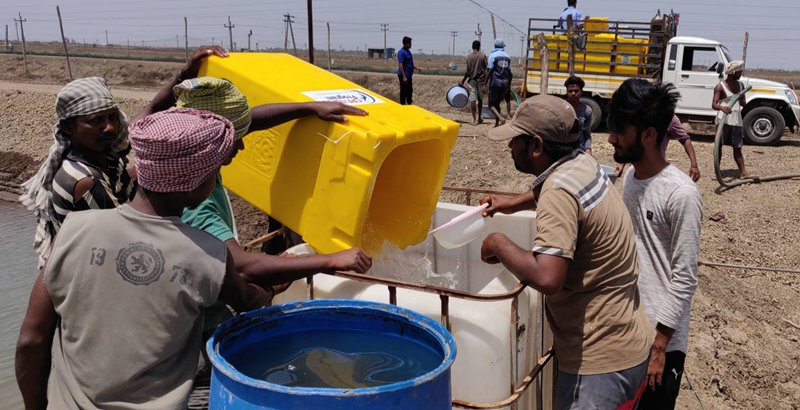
(140,263)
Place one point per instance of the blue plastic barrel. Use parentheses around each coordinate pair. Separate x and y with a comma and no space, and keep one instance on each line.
(231,389)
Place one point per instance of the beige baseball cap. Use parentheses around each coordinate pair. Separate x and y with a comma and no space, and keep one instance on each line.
(549,117)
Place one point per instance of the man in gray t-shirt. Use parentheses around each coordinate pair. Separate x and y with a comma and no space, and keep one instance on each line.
(666,209)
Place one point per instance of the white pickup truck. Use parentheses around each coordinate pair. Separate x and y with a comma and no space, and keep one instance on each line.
(604,54)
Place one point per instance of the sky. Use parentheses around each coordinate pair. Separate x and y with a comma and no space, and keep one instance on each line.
(773,25)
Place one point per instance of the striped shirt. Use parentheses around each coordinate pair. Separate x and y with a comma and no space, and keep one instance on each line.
(112,186)
(599,325)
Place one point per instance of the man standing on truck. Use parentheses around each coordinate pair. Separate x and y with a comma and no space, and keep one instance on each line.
(732,128)
(583,259)
(499,80)
(575,86)
(571,10)
(475,77)
(666,208)
(405,71)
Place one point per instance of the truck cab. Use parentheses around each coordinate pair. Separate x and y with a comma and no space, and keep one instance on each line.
(696,65)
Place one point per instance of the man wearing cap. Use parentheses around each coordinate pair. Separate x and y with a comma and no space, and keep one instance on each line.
(120,299)
(583,259)
(499,80)
(667,212)
(732,127)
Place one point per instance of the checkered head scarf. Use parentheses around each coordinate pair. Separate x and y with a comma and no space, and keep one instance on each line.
(83,96)
(177,150)
(218,96)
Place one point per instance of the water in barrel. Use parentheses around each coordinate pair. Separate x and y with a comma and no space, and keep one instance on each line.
(335,358)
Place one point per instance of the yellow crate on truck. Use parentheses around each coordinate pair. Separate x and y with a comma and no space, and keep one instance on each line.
(359,183)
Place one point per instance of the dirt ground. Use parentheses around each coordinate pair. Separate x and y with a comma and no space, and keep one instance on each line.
(745,331)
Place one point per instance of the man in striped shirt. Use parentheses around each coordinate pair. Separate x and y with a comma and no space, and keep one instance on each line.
(583,259)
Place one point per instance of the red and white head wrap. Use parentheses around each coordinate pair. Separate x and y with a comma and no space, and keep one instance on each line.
(177,150)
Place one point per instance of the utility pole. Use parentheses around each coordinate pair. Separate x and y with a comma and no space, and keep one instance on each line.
(230,27)
(24,53)
(329,45)
(310,32)
(454,34)
(479,33)
(385,29)
(177,41)
(257,46)
(106,37)
(744,50)
(494,29)
(6,36)
(186,36)
(63,40)
(16,29)
(289,19)
(522,55)
(249,34)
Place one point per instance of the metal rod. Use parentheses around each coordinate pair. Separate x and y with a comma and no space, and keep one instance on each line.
(445,311)
(517,392)
(392,295)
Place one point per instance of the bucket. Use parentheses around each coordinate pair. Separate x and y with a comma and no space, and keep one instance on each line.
(457,96)
(328,181)
(270,327)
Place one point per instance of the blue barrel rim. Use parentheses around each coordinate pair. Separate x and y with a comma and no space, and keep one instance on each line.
(245,320)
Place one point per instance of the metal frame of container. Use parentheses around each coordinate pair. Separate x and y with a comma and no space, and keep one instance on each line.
(516,390)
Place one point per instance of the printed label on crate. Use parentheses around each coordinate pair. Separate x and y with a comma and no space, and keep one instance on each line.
(349,97)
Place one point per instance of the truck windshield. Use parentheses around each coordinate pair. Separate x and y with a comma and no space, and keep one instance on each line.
(726,54)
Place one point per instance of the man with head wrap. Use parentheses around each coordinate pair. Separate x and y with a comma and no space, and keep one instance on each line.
(122,306)
(732,127)
(86,167)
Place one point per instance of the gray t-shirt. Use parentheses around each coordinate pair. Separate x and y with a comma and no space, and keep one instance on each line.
(667,212)
(129,289)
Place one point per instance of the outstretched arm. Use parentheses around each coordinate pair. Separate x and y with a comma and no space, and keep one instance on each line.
(165,99)
(269,115)
(32,362)
(268,270)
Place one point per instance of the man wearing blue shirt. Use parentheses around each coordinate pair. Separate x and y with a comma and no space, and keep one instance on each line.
(572,10)
(499,80)
(405,70)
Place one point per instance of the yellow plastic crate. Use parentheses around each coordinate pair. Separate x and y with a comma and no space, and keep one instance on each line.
(595,24)
(372,179)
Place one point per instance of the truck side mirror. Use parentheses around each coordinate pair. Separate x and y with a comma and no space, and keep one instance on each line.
(720,69)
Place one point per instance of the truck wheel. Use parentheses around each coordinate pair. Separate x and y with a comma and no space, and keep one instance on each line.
(597,112)
(763,126)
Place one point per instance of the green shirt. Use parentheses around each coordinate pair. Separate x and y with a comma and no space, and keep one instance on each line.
(213,215)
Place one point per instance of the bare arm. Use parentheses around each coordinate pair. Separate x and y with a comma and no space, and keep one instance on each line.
(165,99)
(545,273)
(267,270)
(240,295)
(694,170)
(269,115)
(32,361)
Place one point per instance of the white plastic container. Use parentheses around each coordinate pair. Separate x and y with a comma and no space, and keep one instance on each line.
(498,344)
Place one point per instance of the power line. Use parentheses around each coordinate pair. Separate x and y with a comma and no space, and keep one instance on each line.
(495,14)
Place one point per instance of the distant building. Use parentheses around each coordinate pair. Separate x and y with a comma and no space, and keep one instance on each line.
(380,54)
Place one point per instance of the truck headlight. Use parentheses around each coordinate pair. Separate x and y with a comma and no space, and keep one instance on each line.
(791,96)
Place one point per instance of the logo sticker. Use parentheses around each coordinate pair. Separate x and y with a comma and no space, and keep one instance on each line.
(649,215)
(140,263)
(349,97)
